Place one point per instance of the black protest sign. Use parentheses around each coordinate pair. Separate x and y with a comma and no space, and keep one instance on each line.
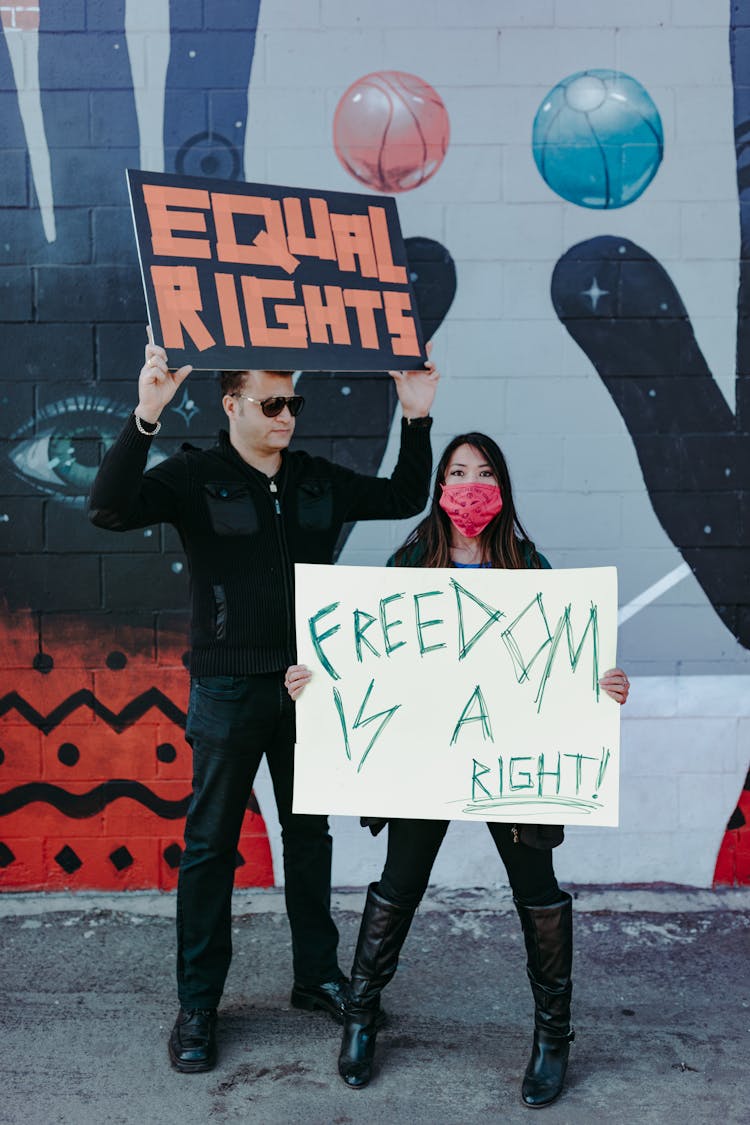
(240,276)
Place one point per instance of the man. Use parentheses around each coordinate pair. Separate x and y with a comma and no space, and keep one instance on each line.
(246,511)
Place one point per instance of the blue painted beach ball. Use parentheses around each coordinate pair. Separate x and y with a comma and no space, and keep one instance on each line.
(598,139)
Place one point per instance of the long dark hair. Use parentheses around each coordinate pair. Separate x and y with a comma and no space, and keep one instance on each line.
(502,541)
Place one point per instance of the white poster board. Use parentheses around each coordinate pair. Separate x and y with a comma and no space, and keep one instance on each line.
(457,694)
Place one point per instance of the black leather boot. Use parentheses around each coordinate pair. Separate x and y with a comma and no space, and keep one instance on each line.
(548,933)
(382,933)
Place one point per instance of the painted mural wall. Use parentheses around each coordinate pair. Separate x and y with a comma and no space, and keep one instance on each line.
(572,180)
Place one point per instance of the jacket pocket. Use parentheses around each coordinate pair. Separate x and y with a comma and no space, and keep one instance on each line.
(315,504)
(231,509)
(223,689)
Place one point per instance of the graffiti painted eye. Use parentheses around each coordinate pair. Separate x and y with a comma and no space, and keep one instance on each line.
(59,450)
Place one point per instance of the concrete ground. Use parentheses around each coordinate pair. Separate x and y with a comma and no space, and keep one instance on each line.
(662,1010)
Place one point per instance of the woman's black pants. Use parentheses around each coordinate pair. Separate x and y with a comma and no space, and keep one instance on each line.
(413,846)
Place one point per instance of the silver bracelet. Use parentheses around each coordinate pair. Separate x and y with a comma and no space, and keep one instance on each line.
(146,433)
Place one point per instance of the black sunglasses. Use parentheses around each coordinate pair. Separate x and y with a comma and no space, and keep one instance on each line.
(274,405)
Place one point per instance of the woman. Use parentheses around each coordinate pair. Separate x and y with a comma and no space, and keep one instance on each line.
(472,523)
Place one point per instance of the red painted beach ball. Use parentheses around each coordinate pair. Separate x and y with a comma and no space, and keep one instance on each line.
(391,131)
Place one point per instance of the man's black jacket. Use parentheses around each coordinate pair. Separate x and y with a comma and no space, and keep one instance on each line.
(242,532)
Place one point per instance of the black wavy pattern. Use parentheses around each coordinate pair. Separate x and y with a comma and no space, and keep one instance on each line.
(81,805)
(118,721)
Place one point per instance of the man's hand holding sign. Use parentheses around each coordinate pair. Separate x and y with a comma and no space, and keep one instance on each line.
(157,385)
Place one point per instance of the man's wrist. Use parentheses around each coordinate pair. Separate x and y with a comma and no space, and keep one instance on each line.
(148,413)
(145,421)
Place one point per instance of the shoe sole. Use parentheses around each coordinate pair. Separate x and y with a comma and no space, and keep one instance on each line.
(541,1105)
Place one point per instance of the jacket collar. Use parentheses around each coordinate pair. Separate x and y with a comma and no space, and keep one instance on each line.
(227,450)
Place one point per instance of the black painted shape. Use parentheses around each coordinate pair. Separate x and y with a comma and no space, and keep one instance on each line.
(208,154)
(736,820)
(359,407)
(252,803)
(166,752)
(78,806)
(6,855)
(432,273)
(43,662)
(68,860)
(116,661)
(118,721)
(173,855)
(622,308)
(121,858)
(239,860)
(2,755)
(739,44)
(68,754)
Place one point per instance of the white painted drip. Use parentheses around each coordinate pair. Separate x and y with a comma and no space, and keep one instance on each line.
(24,44)
(653,592)
(148,41)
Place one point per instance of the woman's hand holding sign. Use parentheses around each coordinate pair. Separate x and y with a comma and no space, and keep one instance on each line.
(297,676)
(616,684)
(416,389)
(157,385)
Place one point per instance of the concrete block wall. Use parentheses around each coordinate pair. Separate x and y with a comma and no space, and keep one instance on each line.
(251,89)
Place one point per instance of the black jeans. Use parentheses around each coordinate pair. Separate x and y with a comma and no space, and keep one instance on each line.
(413,846)
(232,721)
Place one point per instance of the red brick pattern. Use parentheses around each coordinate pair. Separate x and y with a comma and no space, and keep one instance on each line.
(107,840)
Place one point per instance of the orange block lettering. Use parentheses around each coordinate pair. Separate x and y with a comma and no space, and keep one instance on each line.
(178,300)
(229,311)
(321,243)
(399,323)
(262,335)
(387,271)
(353,239)
(163,222)
(365,301)
(269,248)
(324,315)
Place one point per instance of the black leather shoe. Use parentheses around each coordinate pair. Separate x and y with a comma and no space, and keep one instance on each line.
(192,1044)
(331,997)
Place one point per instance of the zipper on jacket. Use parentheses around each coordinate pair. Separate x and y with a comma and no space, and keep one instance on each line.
(288,596)
(272,488)
(514,831)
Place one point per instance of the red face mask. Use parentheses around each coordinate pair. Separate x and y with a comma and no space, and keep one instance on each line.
(470,507)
